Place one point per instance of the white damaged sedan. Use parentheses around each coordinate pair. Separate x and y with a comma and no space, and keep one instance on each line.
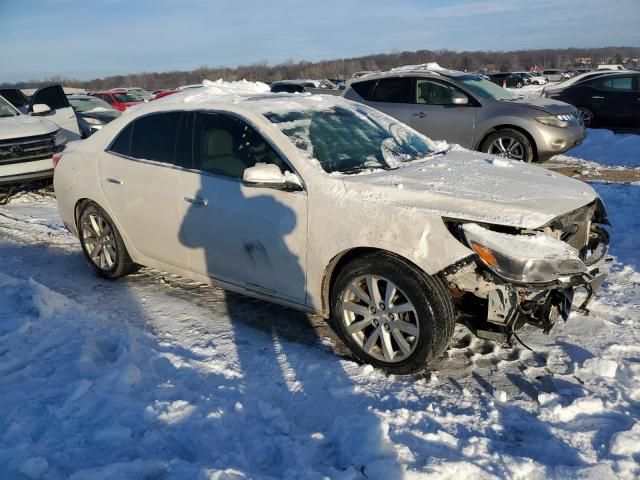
(331,207)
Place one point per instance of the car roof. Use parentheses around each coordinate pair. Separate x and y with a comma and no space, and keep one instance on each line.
(428,69)
(258,103)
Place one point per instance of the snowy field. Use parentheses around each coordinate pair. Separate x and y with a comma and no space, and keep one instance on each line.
(155,377)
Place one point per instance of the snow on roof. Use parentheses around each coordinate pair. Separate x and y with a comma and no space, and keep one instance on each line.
(256,93)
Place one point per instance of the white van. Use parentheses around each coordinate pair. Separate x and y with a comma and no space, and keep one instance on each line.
(611,67)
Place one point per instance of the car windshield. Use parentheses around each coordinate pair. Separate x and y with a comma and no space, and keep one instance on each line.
(89,104)
(127,97)
(484,88)
(6,110)
(349,139)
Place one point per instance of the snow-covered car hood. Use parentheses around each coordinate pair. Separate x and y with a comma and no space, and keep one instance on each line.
(24,126)
(475,187)
(547,105)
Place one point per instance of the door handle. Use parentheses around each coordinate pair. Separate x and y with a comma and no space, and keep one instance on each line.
(598,97)
(196,202)
(419,114)
(115,181)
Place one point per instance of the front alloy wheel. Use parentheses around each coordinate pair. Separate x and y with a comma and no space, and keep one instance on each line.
(509,143)
(380,318)
(391,314)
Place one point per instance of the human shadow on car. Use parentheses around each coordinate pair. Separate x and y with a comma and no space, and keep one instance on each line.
(299,397)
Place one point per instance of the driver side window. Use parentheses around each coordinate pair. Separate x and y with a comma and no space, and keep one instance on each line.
(429,92)
(226,145)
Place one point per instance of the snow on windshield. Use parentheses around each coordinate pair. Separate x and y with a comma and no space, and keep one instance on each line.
(348,139)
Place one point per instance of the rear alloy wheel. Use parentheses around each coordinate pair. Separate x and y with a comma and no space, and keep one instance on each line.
(391,315)
(586,115)
(102,243)
(509,143)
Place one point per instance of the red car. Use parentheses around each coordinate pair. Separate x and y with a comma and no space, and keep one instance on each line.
(164,94)
(119,99)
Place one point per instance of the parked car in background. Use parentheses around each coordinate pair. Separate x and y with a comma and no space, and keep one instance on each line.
(292,86)
(274,199)
(119,99)
(17,98)
(465,109)
(140,92)
(611,67)
(164,93)
(58,109)
(554,75)
(608,100)
(27,144)
(92,113)
(531,79)
(508,80)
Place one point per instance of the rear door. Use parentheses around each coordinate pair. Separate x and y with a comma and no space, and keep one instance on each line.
(434,113)
(139,178)
(61,112)
(391,95)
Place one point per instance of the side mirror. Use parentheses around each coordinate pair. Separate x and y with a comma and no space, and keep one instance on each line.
(268,175)
(459,99)
(40,109)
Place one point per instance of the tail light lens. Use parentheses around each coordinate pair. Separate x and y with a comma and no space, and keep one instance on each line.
(56,159)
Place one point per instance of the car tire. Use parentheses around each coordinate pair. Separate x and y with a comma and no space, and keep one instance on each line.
(519,85)
(102,243)
(586,115)
(509,143)
(410,326)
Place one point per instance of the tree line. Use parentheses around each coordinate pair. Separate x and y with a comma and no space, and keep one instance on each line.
(343,68)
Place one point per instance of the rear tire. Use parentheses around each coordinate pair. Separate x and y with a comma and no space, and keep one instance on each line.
(509,143)
(519,85)
(102,244)
(408,323)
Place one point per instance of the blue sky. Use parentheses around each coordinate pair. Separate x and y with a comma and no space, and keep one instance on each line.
(87,39)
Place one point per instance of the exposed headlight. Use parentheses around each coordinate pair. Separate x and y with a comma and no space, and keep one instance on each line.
(92,121)
(523,258)
(59,138)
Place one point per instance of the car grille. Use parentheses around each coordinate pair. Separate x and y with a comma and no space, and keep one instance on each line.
(18,150)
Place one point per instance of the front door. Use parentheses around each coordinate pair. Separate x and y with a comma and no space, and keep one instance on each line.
(138,178)
(434,114)
(252,237)
(61,113)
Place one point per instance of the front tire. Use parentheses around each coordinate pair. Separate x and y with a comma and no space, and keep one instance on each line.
(586,115)
(390,314)
(509,143)
(102,244)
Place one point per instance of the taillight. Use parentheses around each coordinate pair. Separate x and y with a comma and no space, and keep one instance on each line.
(56,158)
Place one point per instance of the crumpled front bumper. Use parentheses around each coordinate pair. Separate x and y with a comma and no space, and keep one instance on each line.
(495,309)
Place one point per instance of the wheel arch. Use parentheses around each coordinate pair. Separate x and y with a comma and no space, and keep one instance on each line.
(495,128)
(336,264)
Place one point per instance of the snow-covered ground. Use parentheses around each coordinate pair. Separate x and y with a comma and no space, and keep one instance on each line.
(155,377)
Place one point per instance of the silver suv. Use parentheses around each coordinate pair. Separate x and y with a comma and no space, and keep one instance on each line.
(477,114)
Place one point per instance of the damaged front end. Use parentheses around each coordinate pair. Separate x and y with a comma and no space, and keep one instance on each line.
(518,276)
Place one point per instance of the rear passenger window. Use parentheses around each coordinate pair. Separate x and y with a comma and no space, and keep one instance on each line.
(616,84)
(122,143)
(364,89)
(154,137)
(393,90)
(225,145)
